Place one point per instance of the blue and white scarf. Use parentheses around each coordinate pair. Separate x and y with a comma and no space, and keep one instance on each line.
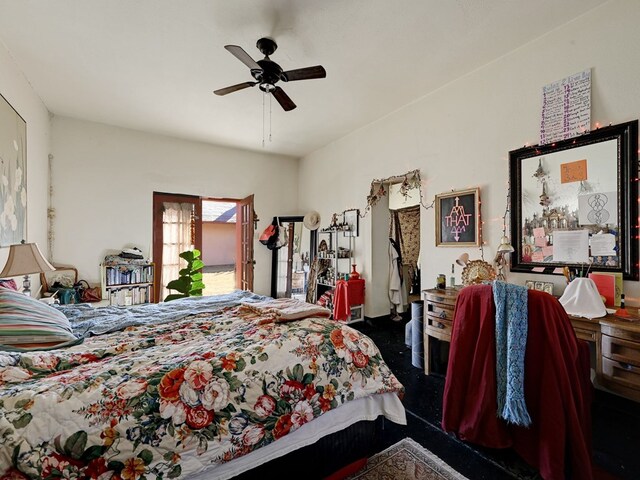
(511,343)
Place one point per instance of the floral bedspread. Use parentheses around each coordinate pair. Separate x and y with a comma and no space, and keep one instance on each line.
(166,401)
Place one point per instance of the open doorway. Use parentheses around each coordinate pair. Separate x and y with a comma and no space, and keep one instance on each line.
(404,234)
(395,237)
(179,222)
(219,246)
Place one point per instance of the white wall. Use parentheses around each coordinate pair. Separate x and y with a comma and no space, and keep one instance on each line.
(460,135)
(18,92)
(104,177)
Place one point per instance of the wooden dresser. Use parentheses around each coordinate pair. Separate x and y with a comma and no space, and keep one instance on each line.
(620,348)
(617,346)
(439,304)
(616,341)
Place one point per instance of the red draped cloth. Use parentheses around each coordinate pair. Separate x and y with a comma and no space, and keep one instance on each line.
(341,309)
(557,385)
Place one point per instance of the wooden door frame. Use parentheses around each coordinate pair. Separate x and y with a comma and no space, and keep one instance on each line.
(159,198)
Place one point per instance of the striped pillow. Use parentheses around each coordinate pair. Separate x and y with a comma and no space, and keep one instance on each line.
(29,324)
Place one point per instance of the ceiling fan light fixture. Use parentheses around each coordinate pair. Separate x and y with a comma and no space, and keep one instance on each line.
(267,87)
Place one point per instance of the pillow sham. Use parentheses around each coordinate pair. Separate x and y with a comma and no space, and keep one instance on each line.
(9,283)
(28,324)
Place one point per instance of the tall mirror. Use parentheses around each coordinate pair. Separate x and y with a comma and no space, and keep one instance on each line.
(291,263)
(575,202)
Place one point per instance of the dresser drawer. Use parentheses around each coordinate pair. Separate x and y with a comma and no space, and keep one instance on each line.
(440,310)
(582,334)
(585,329)
(621,350)
(620,373)
(628,333)
(447,296)
(437,326)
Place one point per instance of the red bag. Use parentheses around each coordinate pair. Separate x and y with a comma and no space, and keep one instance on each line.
(268,232)
(274,236)
(91,294)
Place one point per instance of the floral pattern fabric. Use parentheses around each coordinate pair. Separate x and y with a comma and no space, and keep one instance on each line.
(166,401)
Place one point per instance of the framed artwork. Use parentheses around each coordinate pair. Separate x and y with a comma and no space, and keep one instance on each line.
(352,219)
(457,217)
(13,175)
(575,203)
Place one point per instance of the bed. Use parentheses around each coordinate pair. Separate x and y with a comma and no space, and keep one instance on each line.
(197,388)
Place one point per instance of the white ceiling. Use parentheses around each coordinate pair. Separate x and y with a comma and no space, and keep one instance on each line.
(152,65)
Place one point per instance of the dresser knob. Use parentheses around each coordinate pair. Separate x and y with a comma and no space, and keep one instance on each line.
(626,366)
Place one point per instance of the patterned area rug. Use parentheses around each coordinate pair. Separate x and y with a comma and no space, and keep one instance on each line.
(406,460)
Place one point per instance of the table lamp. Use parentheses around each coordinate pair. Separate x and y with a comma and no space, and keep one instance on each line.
(25,259)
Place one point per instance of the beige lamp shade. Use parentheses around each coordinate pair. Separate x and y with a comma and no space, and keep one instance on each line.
(25,259)
(463,259)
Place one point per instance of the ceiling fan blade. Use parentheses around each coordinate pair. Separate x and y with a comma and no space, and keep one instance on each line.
(283,99)
(234,88)
(307,73)
(243,56)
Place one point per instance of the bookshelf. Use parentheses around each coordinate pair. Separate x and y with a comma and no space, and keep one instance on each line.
(125,284)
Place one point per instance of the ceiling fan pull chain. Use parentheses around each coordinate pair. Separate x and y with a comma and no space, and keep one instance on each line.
(263,120)
(270,96)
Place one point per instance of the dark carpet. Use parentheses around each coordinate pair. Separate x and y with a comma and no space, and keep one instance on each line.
(616,421)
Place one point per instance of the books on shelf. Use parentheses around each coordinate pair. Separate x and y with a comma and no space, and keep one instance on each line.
(128,275)
(127,284)
(130,295)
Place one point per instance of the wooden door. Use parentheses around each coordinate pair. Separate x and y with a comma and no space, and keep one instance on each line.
(244,243)
(160,244)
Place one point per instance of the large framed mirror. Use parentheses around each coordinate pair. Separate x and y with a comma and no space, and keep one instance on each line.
(290,264)
(574,203)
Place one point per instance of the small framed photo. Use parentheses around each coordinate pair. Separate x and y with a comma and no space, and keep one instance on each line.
(540,286)
(352,219)
(457,217)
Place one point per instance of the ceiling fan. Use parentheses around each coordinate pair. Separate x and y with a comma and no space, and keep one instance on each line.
(267,73)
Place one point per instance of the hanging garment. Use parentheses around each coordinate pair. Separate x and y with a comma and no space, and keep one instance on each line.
(397,292)
(341,308)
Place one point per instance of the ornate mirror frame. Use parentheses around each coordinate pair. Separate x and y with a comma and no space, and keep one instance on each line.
(587,183)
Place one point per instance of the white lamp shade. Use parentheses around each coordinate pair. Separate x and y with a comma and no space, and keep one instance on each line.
(25,259)
(505,246)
